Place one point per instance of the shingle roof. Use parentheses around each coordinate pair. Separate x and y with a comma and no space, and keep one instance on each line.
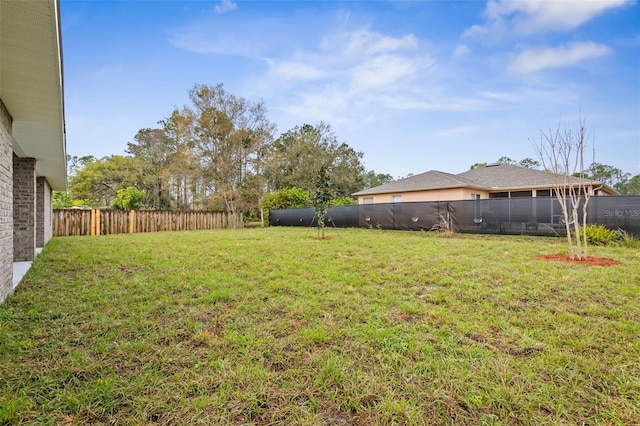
(506,176)
(491,178)
(432,179)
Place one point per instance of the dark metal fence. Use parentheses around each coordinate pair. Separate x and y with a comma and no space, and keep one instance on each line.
(521,215)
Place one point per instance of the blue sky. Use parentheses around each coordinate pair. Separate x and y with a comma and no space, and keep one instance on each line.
(415,86)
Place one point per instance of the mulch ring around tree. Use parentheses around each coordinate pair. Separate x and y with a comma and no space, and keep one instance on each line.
(588,261)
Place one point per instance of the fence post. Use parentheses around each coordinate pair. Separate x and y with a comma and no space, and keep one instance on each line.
(132,219)
(98,230)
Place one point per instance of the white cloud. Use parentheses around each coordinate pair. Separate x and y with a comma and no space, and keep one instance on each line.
(216,33)
(436,102)
(350,71)
(539,93)
(460,51)
(365,42)
(201,45)
(527,17)
(325,104)
(383,71)
(225,6)
(295,70)
(530,61)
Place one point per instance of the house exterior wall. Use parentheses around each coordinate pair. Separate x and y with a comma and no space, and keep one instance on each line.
(44,211)
(24,209)
(456,194)
(6,204)
(451,194)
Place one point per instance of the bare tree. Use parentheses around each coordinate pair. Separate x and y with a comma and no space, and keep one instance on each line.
(562,154)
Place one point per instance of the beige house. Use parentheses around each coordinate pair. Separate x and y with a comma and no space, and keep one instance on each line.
(493,181)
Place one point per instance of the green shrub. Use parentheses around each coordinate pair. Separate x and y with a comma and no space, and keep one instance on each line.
(62,200)
(342,201)
(128,198)
(599,235)
(626,239)
(285,199)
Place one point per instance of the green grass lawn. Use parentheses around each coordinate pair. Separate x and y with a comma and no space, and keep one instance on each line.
(272,326)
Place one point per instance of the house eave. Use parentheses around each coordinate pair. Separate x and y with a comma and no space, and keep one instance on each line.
(368,192)
(596,185)
(31,84)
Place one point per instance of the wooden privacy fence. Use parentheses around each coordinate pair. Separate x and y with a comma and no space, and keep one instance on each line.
(70,222)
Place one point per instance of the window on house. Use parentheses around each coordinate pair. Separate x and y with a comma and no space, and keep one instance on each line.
(397,198)
(475,196)
(367,200)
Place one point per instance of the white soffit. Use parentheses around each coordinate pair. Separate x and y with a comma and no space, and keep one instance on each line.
(31,83)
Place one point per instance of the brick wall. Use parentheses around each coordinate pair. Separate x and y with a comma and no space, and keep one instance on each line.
(44,212)
(24,209)
(6,204)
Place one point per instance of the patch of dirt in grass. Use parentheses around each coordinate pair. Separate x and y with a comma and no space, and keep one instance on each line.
(131,268)
(344,255)
(277,366)
(369,401)
(506,347)
(159,418)
(333,416)
(588,261)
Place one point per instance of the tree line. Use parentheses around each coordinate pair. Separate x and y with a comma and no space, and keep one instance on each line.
(217,153)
